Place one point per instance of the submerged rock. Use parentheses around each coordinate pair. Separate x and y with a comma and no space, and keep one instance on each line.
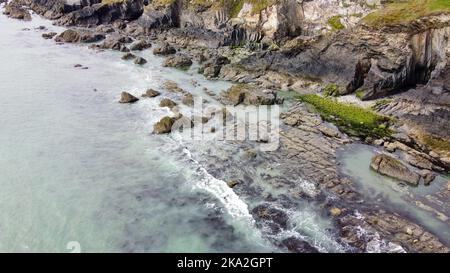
(150,93)
(179,61)
(128,56)
(233,183)
(49,35)
(275,218)
(428,177)
(79,36)
(140,61)
(127,98)
(15,11)
(392,167)
(297,245)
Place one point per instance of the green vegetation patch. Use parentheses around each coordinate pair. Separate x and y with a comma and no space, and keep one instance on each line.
(405,11)
(435,143)
(360,93)
(381,103)
(335,23)
(351,119)
(332,90)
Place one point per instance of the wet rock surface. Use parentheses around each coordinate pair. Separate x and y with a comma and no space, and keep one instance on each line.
(79,36)
(140,61)
(178,61)
(140,45)
(164,50)
(49,35)
(164,126)
(167,103)
(150,93)
(16,11)
(392,167)
(126,97)
(249,95)
(115,42)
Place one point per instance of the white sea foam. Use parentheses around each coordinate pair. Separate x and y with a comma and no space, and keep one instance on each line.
(313,230)
(231,201)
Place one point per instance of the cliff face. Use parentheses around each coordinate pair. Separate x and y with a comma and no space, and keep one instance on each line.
(339,41)
(276,20)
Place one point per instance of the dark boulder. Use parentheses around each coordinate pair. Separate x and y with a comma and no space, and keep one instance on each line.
(140,61)
(15,11)
(103,13)
(150,93)
(167,103)
(164,126)
(274,218)
(115,42)
(296,245)
(127,98)
(212,68)
(128,56)
(165,50)
(140,45)
(178,61)
(163,17)
(79,36)
(49,35)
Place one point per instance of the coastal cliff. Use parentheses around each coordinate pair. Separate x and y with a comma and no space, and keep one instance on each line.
(326,53)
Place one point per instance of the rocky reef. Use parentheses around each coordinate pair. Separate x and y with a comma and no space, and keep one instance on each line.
(360,70)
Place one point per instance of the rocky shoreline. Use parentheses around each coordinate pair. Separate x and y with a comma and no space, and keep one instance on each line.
(403,68)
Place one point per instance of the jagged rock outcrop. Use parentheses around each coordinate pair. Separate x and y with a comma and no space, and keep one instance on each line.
(249,95)
(104,12)
(16,11)
(115,42)
(54,9)
(160,16)
(79,36)
(375,62)
(179,61)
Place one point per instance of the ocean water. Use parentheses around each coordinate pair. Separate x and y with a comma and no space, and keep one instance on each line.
(81,172)
(79,169)
(397,196)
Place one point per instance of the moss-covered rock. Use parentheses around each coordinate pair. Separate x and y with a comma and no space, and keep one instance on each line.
(164,126)
(351,119)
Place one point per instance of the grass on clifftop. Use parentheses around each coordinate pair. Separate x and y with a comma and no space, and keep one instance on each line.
(351,119)
(405,11)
